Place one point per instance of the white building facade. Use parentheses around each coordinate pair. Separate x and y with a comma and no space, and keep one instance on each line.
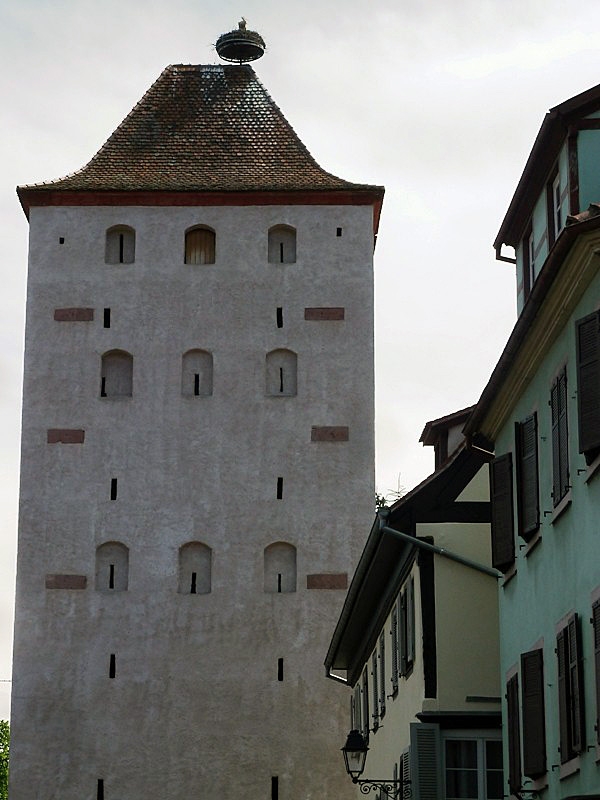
(198,396)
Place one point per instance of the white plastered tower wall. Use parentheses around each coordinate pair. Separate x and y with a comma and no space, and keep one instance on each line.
(219,693)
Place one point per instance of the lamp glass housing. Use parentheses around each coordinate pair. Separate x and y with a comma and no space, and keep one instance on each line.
(355,754)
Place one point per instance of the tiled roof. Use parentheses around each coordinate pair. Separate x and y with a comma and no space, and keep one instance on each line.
(203,129)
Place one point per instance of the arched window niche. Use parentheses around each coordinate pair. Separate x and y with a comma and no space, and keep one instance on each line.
(282,244)
(199,245)
(195,568)
(197,373)
(281,373)
(280,568)
(112,567)
(120,245)
(116,378)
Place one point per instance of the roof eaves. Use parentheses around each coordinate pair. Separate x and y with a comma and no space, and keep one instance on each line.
(540,290)
(383,566)
(428,435)
(543,154)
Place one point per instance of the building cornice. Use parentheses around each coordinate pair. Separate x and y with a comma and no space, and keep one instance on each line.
(41,196)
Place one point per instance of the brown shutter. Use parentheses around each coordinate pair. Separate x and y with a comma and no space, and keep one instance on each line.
(576,686)
(534,728)
(503,545)
(596,624)
(514,734)
(527,477)
(588,381)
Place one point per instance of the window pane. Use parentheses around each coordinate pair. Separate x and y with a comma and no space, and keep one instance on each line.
(494,785)
(493,754)
(461,754)
(461,785)
(461,769)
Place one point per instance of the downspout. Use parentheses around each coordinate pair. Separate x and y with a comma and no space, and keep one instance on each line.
(441,551)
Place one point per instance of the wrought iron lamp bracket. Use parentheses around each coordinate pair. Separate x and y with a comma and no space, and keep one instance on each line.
(394,789)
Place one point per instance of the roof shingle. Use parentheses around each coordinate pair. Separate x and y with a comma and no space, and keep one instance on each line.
(202,129)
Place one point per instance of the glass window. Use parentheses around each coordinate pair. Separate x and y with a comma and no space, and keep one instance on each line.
(473,768)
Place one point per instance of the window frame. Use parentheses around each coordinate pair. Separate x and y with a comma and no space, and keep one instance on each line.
(481,739)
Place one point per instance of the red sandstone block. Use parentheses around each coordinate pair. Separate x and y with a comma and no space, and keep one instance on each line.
(66,581)
(327,580)
(329,433)
(320,314)
(65,436)
(73,314)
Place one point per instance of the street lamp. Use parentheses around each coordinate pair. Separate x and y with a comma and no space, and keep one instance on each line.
(355,754)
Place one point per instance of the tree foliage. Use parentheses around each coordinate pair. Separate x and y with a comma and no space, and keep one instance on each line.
(4,750)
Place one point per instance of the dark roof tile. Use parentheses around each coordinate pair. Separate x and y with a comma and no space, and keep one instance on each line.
(203,129)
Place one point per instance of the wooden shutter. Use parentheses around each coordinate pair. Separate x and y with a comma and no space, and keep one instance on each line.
(382,674)
(576,686)
(588,381)
(527,477)
(560,438)
(503,545)
(403,649)
(563,696)
(410,622)
(375,691)
(356,709)
(366,720)
(425,754)
(394,632)
(514,734)
(596,624)
(405,773)
(534,727)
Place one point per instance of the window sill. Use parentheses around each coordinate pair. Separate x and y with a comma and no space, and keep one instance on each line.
(561,507)
(537,784)
(570,768)
(533,542)
(509,575)
(592,469)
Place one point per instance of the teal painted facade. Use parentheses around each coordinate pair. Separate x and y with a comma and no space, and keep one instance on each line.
(549,551)
(558,574)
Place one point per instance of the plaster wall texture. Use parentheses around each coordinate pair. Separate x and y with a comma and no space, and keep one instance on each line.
(196,707)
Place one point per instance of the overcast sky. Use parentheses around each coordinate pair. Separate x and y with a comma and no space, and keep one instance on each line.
(438,101)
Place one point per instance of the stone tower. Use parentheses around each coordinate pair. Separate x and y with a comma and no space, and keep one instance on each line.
(197,455)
